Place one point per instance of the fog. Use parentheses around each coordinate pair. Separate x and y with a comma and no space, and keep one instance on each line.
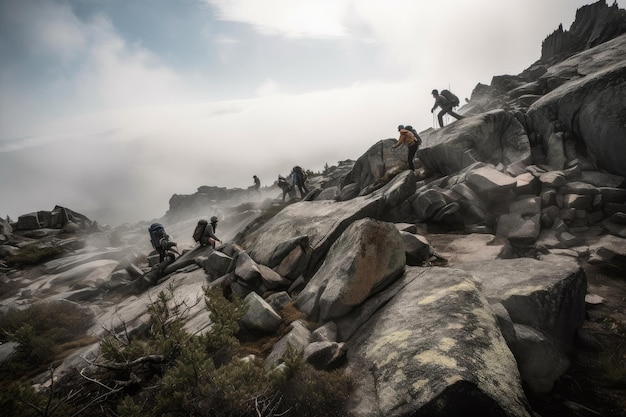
(111,107)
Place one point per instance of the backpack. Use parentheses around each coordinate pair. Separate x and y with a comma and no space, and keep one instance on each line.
(157,232)
(452,99)
(410,129)
(199,230)
(300,172)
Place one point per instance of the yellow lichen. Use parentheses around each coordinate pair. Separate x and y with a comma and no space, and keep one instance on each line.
(446,344)
(397,339)
(464,285)
(435,357)
(392,357)
(523,290)
(420,384)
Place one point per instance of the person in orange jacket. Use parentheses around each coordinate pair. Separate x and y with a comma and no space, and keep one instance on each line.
(408,138)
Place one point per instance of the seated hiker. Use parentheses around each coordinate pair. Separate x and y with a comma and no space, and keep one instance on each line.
(208,236)
(445,105)
(298,179)
(408,138)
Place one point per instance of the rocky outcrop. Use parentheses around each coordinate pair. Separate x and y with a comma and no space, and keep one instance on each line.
(594,24)
(56,218)
(574,107)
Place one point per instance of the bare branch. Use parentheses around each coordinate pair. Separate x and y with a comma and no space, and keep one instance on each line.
(126,365)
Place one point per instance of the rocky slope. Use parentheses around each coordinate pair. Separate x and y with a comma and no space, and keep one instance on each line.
(488,279)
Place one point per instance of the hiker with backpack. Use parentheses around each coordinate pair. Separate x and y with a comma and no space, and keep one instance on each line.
(257,184)
(287,188)
(410,138)
(161,243)
(298,179)
(446,101)
(205,232)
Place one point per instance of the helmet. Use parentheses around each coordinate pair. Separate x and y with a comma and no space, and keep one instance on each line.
(434,92)
(400,127)
(213,219)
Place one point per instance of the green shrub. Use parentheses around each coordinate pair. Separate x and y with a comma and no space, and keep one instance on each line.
(43,331)
(221,340)
(32,348)
(165,334)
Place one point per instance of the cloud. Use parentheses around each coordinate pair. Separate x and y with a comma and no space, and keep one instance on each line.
(293,18)
(106,72)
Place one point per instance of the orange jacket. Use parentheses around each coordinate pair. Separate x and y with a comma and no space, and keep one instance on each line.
(406,138)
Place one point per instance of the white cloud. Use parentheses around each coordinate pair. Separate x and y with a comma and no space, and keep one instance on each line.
(319,18)
(268,88)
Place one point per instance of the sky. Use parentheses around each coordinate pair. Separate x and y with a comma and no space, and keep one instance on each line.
(109,107)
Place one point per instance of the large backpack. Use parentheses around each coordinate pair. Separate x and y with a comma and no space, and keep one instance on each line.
(199,230)
(452,99)
(301,174)
(157,232)
(412,130)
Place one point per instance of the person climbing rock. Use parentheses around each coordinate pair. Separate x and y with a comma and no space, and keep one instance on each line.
(446,104)
(409,139)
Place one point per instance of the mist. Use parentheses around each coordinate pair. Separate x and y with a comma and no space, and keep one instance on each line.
(105,112)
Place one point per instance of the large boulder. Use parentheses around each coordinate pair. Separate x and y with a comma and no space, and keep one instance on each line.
(434,350)
(493,137)
(379,159)
(365,258)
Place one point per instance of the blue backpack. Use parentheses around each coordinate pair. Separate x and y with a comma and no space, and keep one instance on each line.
(157,232)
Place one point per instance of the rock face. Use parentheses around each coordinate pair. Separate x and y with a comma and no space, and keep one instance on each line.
(575,105)
(594,25)
(530,183)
